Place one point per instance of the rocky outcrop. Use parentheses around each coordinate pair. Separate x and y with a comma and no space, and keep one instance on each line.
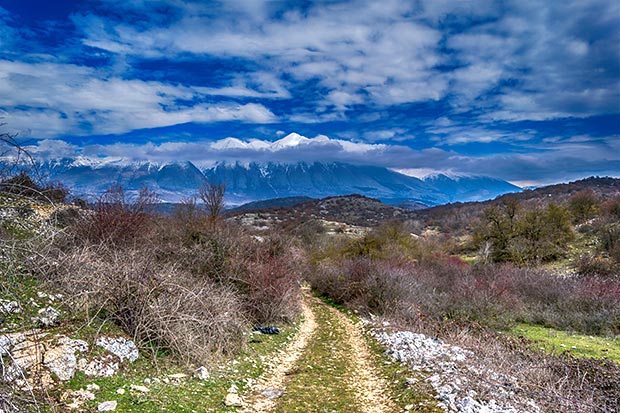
(35,354)
(61,359)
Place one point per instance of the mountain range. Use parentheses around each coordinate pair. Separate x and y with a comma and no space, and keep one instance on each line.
(255,181)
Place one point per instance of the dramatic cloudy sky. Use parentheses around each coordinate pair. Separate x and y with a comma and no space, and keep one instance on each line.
(523,90)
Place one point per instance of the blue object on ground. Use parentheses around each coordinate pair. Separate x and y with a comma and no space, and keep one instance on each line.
(267,329)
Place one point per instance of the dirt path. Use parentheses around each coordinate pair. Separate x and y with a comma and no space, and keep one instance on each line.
(274,380)
(327,368)
(371,390)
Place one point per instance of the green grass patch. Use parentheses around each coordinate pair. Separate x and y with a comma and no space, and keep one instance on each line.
(181,395)
(557,341)
(23,291)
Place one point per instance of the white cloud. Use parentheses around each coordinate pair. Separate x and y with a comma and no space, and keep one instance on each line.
(352,49)
(541,60)
(392,134)
(80,100)
(559,160)
(448,132)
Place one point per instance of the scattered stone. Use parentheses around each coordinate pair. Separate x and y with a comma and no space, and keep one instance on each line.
(105,366)
(47,317)
(108,406)
(469,405)
(41,294)
(9,307)
(6,343)
(410,381)
(93,387)
(177,376)
(166,380)
(120,346)
(454,373)
(147,381)
(120,390)
(272,393)
(78,398)
(25,351)
(233,388)
(141,389)
(233,400)
(202,373)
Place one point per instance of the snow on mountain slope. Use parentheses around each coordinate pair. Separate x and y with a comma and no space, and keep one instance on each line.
(254,181)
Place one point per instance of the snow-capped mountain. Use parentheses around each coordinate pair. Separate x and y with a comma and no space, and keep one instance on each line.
(469,188)
(254,181)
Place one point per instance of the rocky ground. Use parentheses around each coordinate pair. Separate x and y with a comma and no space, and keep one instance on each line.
(460,383)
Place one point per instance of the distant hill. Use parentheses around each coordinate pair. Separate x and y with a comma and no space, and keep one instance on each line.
(272,203)
(458,215)
(351,209)
(364,211)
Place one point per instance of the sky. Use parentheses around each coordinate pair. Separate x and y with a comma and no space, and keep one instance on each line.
(527,91)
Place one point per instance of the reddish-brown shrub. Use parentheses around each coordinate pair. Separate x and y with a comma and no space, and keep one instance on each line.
(494,295)
(116,218)
(272,290)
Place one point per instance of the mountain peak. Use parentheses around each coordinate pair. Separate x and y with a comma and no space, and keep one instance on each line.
(290,140)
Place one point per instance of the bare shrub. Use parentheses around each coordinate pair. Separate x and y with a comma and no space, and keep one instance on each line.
(265,272)
(363,284)
(184,287)
(154,302)
(116,218)
(272,290)
(196,320)
(495,296)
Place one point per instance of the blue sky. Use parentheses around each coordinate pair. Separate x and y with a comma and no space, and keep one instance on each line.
(527,91)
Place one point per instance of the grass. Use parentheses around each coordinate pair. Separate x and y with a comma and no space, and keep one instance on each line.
(557,341)
(183,395)
(187,394)
(23,290)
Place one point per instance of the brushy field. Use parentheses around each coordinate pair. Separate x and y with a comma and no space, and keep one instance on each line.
(185,287)
(417,285)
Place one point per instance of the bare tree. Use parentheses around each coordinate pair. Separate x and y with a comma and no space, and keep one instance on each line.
(212,194)
(13,157)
